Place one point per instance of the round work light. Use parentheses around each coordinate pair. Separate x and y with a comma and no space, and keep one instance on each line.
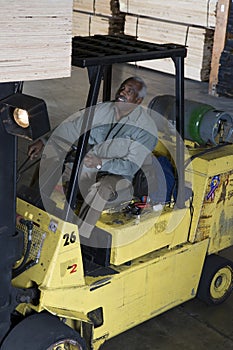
(21,117)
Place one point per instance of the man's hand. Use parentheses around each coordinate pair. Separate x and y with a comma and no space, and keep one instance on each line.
(91,161)
(35,149)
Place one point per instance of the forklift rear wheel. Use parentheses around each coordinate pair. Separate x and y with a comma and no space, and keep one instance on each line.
(43,332)
(216,282)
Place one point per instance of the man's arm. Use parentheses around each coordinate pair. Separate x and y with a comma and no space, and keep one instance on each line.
(69,131)
(138,150)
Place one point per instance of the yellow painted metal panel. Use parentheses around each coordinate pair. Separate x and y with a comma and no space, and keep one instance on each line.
(213,198)
(148,287)
(58,260)
(153,231)
(216,219)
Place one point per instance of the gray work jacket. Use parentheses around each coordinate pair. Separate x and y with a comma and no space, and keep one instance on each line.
(122,145)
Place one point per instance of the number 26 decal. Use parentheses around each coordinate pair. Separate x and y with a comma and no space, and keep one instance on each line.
(69,238)
(72,268)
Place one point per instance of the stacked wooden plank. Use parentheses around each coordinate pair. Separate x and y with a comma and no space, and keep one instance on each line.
(91,17)
(103,7)
(84,5)
(35,39)
(99,25)
(199,12)
(81,23)
(179,22)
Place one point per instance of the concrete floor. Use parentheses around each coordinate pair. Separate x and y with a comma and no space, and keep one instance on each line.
(192,325)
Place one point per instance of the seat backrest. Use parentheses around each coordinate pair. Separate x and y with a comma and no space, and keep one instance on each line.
(156,180)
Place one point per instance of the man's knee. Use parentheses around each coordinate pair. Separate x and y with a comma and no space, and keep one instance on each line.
(116,189)
(107,188)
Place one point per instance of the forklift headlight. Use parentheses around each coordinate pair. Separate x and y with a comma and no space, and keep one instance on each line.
(21,117)
(24,116)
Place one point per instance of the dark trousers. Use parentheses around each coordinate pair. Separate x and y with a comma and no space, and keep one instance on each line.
(108,192)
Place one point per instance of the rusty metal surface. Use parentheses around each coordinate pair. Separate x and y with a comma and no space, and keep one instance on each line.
(216,214)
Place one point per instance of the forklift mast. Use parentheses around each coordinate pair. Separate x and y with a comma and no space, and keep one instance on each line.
(8,238)
(12,240)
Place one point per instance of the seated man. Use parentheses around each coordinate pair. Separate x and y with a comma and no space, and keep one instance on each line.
(123,135)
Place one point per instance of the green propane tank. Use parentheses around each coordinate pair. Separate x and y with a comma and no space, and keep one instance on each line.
(203,123)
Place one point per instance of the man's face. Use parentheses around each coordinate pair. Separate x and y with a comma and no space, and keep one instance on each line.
(128,92)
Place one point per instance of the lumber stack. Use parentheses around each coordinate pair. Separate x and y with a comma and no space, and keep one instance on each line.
(83,5)
(199,12)
(99,25)
(91,17)
(102,7)
(81,24)
(35,39)
(97,17)
(179,22)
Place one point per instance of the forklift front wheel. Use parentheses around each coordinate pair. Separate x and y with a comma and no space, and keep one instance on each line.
(216,282)
(43,332)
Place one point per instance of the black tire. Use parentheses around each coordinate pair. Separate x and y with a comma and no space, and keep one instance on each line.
(42,332)
(216,282)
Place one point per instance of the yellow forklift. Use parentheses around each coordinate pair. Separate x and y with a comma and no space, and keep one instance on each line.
(58,292)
